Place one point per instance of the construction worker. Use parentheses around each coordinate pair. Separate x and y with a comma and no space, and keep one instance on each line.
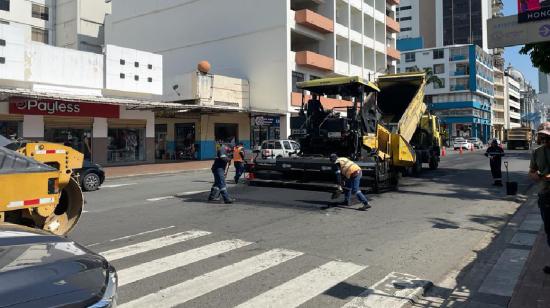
(351,173)
(495,153)
(218,170)
(238,160)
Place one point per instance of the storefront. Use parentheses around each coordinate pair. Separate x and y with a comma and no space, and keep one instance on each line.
(264,127)
(105,133)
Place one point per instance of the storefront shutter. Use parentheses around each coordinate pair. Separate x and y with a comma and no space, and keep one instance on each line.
(66,122)
(126,123)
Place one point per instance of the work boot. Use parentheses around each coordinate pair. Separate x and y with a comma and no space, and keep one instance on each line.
(546,269)
(213,199)
(229,201)
(365,207)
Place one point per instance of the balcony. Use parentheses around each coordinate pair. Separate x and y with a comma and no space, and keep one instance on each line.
(314,21)
(498,121)
(459,87)
(458,58)
(392,25)
(393,53)
(392,2)
(314,60)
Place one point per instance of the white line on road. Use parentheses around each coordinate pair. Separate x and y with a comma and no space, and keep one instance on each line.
(182,194)
(117,185)
(126,251)
(303,288)
(160,198)
(201,285)
(148,269)
(141,233)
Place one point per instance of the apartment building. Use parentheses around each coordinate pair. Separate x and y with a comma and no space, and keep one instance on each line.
(500,120)
(76,24)
(416,32)
(271,44)
(96,103)
(512,84)
(463,100)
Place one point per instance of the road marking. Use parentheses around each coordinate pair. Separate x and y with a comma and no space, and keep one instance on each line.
(148,269)
(182,194)
(394,290)
(126,251)
(117,185)
(160,198)
(141,233)
(303,288)
(203,284)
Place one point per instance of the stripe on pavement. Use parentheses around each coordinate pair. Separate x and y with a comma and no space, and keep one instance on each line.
(203,284)
(303,288)
(117,185)
(126,251)
(165,264)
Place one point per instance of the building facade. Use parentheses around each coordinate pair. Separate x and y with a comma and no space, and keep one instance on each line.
(76,24)
(96,103)
(512,97)
(296,40)
(416,32)
(463,101)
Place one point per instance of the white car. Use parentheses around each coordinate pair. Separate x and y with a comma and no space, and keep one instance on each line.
(279,148)
(462,143)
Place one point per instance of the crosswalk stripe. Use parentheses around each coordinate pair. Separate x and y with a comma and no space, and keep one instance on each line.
(165,264)
(200,285)
(126,251)
(303,288)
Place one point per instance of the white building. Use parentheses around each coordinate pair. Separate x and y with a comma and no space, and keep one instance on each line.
(512,98)
(463,101)
(76,24)
(87,100)
(416,32)
(272,44)
(544,90)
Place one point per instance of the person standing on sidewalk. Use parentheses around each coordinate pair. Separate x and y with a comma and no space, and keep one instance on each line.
(352,178)
(218,170)
(495,153)
(238,160)
(539,171)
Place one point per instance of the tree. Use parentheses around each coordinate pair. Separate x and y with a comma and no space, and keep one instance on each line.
(539,54)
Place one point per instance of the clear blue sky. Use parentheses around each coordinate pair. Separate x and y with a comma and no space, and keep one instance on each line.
(512,55)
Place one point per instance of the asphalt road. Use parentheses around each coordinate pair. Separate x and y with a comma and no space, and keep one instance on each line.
(279,247)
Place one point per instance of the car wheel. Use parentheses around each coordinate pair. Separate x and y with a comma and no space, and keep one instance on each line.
(90,182)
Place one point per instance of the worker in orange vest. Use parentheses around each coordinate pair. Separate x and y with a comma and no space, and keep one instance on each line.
(351,173)
(238,160)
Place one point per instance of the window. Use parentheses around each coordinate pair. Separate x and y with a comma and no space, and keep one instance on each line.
(287,145)
(122,76)
(439,68)
(438,86)
(404,8)
(149,79)
(136,64)
(406,29)
(150,66)
(122,62)
(40,12)
(405,18)
(136,77)
(40,35)
(278,145)
(439,53)
(2,60)
(410,57)
(2,42)
(296,77)
(5,5)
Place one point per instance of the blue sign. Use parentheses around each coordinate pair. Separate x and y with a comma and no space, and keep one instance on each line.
(267,121)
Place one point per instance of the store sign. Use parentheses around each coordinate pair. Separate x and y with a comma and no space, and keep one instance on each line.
(266,121)
(533,10)
(506,31)
(31,106)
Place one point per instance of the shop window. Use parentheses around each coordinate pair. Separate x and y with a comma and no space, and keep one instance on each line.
(122,62)
(126,144)
(150,66)
(2,42)
(2,60)
(122,76)
(40,35)
(40,12)
(185,140)
(226,133)
(78,139)
(161,130)
(11,129)
(5,5)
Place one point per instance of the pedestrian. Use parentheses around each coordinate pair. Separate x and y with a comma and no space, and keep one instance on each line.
(495,153)
(352,174)
(238,160)
(218,170)
(539,171)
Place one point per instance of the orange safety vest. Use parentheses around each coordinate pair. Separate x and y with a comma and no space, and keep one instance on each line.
(347,167)
(237,154)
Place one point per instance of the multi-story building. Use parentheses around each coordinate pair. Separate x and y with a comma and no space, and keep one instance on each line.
(544,88)
(463,100)
(86,100)
(417,32)
(76,24)
(512,84)
(287,42)
(499,119)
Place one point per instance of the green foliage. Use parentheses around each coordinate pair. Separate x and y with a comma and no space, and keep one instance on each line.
(539,54)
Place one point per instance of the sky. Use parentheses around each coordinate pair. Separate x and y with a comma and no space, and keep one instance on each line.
(512,55)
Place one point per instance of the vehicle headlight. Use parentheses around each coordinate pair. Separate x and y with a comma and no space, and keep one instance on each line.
(109,297)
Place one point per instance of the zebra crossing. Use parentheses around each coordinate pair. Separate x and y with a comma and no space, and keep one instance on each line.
(293,292)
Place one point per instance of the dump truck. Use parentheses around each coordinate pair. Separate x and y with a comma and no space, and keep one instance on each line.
(519,137)
(37,187)
(375,133)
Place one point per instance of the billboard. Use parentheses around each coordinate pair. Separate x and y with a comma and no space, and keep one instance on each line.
(533,10)
(506,31)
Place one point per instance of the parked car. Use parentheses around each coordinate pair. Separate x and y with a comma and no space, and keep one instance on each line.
(279,148)
(462,143)
(90,176)
(476,142)
(43,270)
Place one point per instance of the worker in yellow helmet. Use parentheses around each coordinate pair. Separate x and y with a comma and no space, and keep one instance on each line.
(351,173)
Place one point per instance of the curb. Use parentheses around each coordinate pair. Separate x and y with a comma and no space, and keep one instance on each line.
(154,174)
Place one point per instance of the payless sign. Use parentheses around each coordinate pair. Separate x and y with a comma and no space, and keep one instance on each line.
(30,106)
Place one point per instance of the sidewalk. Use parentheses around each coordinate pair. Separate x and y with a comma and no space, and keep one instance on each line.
(162,168)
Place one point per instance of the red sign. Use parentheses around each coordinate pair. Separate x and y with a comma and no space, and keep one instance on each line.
(533,10)
(31,106)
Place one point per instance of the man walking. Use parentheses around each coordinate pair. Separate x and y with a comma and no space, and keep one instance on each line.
(352,178)
(238,160)
(218,170)
(539,171)
(495,153)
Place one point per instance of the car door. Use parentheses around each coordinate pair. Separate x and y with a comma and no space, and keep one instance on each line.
(287,148)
